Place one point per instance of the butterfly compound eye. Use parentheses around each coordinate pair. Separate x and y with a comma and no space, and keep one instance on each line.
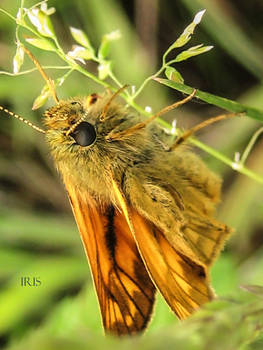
(84,134)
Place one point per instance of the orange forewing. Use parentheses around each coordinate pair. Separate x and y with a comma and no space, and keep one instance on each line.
(183,283)
(124,288)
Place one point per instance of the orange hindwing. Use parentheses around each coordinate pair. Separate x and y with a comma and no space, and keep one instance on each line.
(184,283)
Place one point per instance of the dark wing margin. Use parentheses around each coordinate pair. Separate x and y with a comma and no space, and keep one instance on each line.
(124,288)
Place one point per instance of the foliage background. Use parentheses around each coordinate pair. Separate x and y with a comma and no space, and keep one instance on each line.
(38,236)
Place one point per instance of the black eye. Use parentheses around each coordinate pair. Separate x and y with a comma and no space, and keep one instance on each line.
(84,134)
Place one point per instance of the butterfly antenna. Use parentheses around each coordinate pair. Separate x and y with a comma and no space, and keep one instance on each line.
(22,119)
(141,125)
(201,125)
(50,82)
(106,107)
(75,125)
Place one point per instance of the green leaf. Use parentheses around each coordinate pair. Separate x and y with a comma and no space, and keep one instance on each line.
(46,10)
(19,17)
(41,21)
(187,33)
(18,58)
(105,43)
(42,43)
(103,50)
(104,69)
(81,53)
(221,102)
(193,51)
(42,98)
(80,37)
(173,74)
(114,35)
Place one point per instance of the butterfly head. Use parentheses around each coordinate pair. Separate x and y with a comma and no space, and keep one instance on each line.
(71,122)
(79,127)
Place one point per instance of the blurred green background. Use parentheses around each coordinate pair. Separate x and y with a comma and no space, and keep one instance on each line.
(38,236)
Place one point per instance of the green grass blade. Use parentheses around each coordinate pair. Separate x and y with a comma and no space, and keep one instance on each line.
(229,105)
